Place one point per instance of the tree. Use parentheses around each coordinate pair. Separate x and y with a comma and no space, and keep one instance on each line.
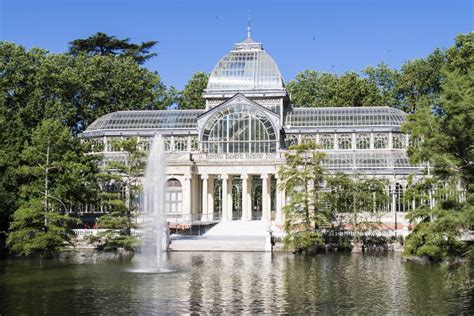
(314,89)
(460,57)
(442,136)
(302,179)
(121,177)
(36,85)
(419,80)
(191,96)
(58,174)
(107,45)
(356,201)
(385,79)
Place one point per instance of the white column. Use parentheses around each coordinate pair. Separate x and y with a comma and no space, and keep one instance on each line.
(195,196)
(210,199)
(204,198)
(265,198)
(225,209)
(245,197)
(187,198)
(279,201)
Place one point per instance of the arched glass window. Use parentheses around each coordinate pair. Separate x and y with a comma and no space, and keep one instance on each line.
(239,129)
(327,141)
(181,144)
(381,141)
(399,141)
(362,141)
(173,197)
(344,141)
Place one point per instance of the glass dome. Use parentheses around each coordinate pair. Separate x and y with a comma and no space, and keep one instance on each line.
(246,67)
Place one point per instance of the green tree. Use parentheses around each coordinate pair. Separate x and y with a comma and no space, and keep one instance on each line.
(302,178)
(37,85)
(314,89)
(460,57)
(385,79)
(121,177)
(58,175)
(419,80)
(357,200)
(191,96)
(442,136)
(103,44)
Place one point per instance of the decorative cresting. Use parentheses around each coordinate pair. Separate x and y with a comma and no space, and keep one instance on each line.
(239,128)
(246,67)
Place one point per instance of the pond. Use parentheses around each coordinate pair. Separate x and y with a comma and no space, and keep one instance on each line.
(235,283)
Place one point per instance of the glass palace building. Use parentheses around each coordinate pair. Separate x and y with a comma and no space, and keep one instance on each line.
(223,161)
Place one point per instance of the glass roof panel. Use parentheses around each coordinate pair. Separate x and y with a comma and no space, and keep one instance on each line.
(164,119)
(344,116)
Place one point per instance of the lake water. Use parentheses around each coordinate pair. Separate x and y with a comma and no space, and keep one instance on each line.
(235,283)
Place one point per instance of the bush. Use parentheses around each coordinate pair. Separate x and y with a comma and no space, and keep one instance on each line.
(307,243)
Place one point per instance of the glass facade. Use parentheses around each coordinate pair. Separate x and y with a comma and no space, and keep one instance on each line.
(239,129)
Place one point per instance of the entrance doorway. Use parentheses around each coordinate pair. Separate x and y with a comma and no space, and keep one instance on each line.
(236,198)
(256,198)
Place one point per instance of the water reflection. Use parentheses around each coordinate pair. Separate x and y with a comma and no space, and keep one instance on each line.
(235,283)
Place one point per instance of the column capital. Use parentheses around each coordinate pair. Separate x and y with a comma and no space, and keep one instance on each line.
(244,176)
(224,176)
(264,176)
(187,177)
(204,176)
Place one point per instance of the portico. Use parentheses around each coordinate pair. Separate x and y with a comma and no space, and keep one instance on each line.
(243,196)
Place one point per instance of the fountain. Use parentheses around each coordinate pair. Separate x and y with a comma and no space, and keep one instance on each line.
(153,241)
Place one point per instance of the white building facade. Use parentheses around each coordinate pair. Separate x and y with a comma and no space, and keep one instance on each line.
(223,161)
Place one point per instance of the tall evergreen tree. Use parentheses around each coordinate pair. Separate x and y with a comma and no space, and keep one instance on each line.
(58,175)
(103,44)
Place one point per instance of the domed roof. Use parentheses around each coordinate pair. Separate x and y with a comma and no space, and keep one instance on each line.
(246,67)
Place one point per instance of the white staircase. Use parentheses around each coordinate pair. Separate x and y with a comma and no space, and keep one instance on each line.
(229,236)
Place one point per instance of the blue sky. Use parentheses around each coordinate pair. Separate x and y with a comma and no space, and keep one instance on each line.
(332,36)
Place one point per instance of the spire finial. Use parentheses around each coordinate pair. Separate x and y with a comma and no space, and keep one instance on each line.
(249,27)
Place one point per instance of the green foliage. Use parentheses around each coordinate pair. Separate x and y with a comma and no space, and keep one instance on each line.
(57,174)
(302,178)
(34,231)
(36,85)
(356,200)
(191,96)
(442,135)
(460,57)
(307,242)
(107,45)
(419,80)
(314,89)
(118,223)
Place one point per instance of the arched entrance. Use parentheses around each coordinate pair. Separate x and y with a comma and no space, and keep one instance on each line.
(236,198)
